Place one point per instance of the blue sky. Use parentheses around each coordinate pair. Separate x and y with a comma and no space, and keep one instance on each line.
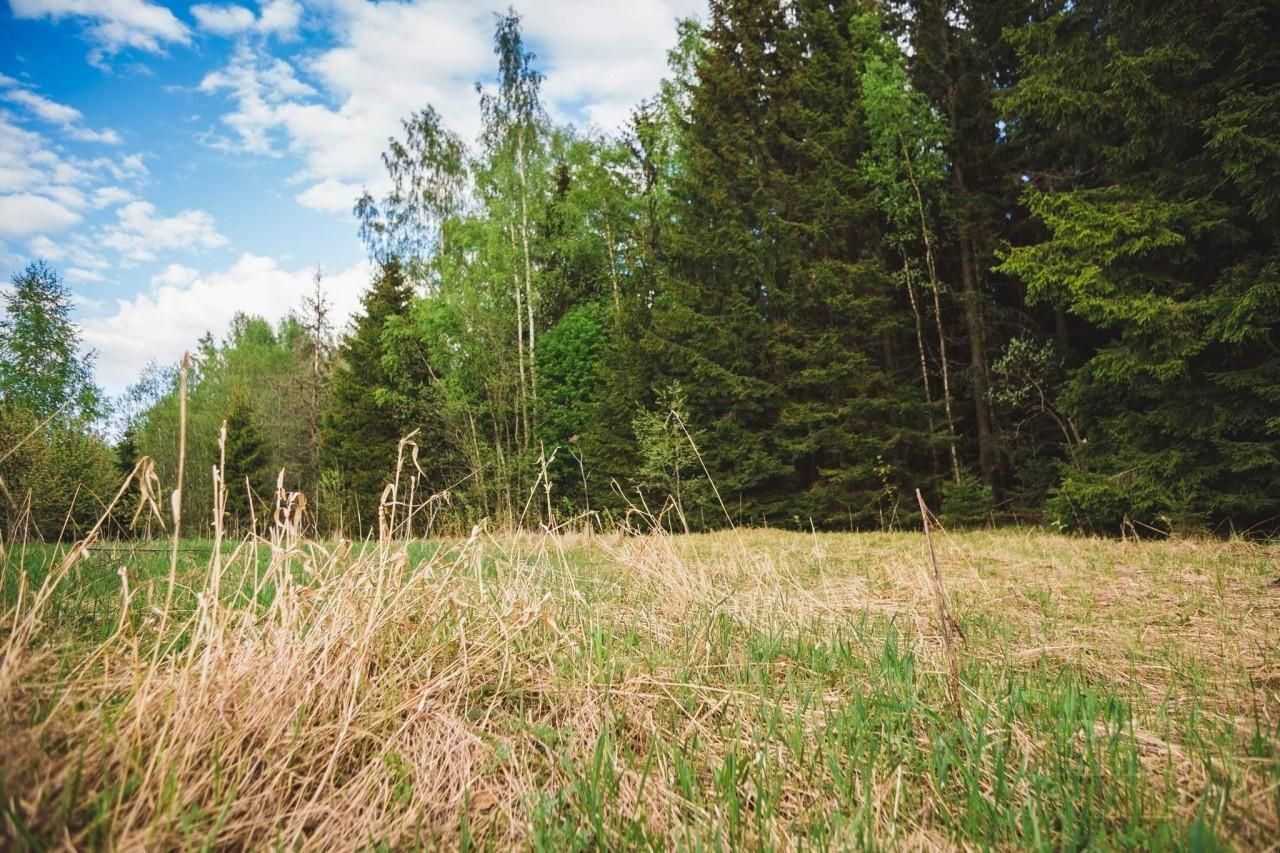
(180,162)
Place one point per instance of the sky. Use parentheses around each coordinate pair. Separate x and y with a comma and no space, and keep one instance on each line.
(178,163)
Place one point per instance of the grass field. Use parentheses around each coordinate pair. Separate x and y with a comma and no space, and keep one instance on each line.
(750,689)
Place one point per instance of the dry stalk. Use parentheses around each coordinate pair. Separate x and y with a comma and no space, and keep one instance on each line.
(176,497)
(948,623)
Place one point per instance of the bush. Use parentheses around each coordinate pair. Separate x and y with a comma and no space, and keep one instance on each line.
(1110,504)
(56,483)
(967,503)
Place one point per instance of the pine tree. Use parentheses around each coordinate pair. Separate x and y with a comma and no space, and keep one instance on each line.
(708,329)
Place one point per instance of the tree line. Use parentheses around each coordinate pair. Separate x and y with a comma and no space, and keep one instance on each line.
(1022,255)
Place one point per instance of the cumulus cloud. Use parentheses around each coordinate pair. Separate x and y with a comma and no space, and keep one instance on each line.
(223,20)
(80,275)
(275,17)
(42,247)
(603,58)
(174,275)
(77,251)
(183,305)
(259,85)
(330,196)
(111,196)
(138,234)
(43,107)
(112,25)
(43,192)
(392,59)
(24,214)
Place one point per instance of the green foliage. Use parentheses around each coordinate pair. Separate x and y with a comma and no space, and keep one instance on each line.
(864,248)
(42,368)
(669,454)
(1116,504)
(968,503)
(361,427)
(1162,240)
(905,162)
(568,369)
(247,471)
(427,171)
(268,371)
(55,480)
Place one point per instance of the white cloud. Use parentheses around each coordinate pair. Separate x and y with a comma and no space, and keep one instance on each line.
(111,196)
(280,16)
(223,20)
(77,251)
(43,192)
(68,118)
(258,85)
(24,159)
(67,196)
(164,323)
(393,59)
(24,214)
(139,233)
(174,275)
(84,276)
(330,196)
(604,57)
(276,17)
(41,106)
(42,247)
(84,134)
(128,167)
(112,25)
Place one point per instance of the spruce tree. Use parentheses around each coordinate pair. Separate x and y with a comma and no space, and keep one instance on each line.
(1157,122)
(247,472)
(780,319)
(361,427)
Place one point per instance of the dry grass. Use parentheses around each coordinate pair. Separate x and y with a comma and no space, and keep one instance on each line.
(751,688)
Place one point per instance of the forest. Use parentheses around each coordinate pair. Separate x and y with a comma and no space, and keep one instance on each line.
(1022,255)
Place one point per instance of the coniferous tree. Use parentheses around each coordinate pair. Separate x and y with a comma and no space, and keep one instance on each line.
(247,472)
(963,61)
(1160,234)
(780,318)
(361,428)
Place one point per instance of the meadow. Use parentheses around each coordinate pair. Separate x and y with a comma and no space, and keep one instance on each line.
(749,689)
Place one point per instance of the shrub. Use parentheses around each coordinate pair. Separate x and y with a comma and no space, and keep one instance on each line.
(1108,504)
(967,503)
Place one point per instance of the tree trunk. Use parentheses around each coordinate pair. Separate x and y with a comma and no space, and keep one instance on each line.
(924,362)
(972,305)
(528,265)
(522,408)
(937,310)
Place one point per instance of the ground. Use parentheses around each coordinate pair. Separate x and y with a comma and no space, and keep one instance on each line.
(744,689)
